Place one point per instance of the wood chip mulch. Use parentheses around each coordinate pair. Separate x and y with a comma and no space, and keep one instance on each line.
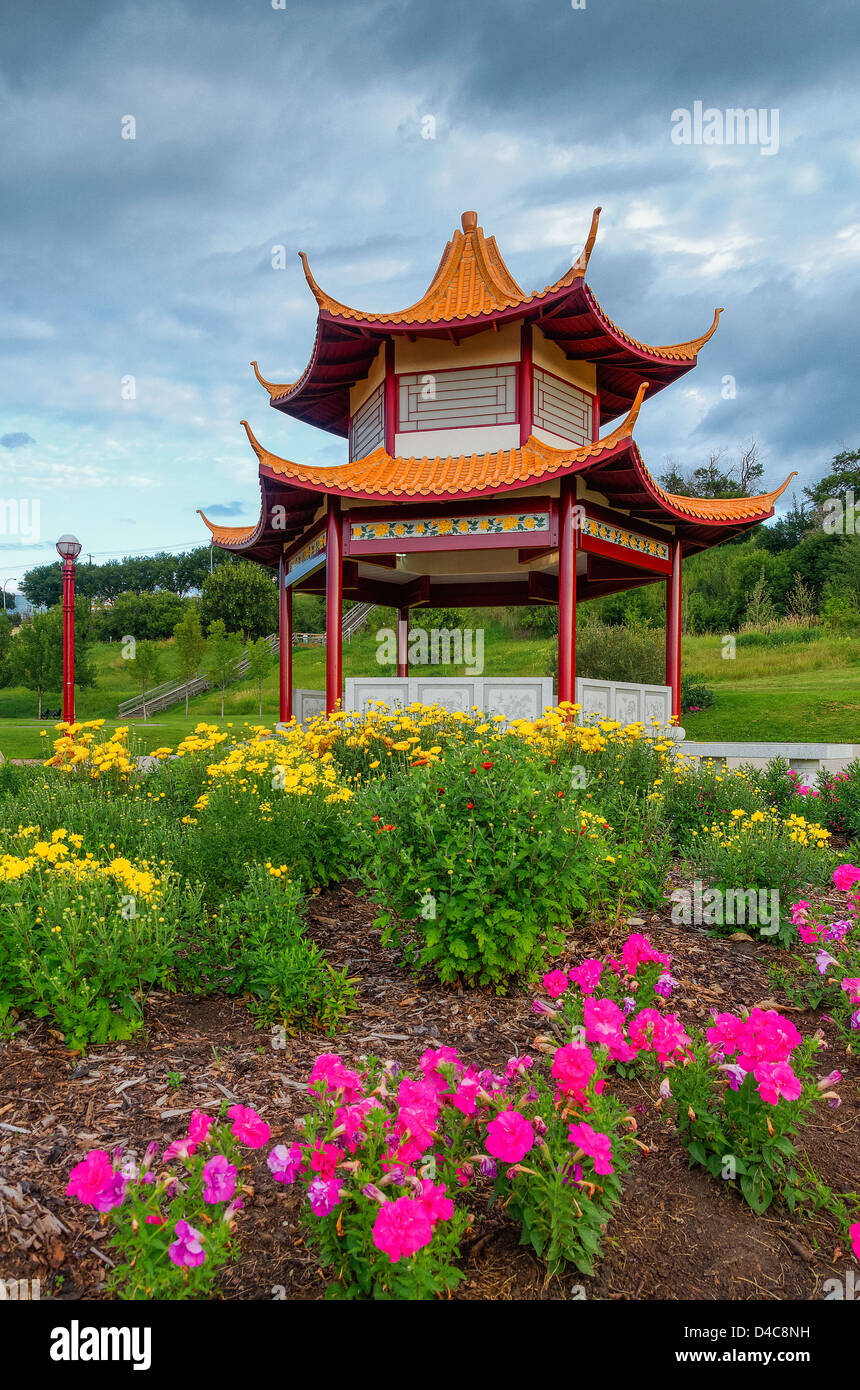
(678,1234)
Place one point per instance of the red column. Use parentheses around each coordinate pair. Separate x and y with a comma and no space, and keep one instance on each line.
(69,641)
(390,397)
(673,629)
(403,641)
(567,545)
(333,606)
(285,634)
(526,401)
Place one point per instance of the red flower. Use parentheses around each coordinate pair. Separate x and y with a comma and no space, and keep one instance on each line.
(388,827)
(470,805)
(375,817)
(486,766)
(441,791)
(560,793)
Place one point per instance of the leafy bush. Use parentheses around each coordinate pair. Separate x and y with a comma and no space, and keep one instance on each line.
(761,851)
(487,854)
(265,798)
(81,942)
(693,794)
(256,944)
(838,801)
(618,652)
(695,694)
(773,784)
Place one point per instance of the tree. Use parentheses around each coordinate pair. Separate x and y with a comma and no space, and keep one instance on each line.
(145,616)
(147,668)
(223,651)
(711,479)
(36,654)
(260,661)
(842,477)
(760,610)
(43,585)
(36,659)
(5,644)
(190,647)
(786,531)
(244,596)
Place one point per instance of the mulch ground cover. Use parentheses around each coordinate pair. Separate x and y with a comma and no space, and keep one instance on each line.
(678,1233)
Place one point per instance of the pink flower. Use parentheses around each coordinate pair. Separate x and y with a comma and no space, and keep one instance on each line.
(587,975)
(509,1136)
(153,1220)
(94,1182)
(324,1195)
(466,1095)
(776,1080)
(438,1206)
(415,1125)
(637,950)
(402,1227)
(597,1146)
(431,1061)
(851,984)
(325,1158)
(219,1179)
(180,1148)
(198,1127)
(285,1164)
(572,1068)
(604,1022)
(846,876)
(330,1070)
(555,983)
(352,1117)
(248,1128)
(187,1249)
(854,1233)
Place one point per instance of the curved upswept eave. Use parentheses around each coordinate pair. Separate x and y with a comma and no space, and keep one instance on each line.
(672,352)
(230,536)
(720,510)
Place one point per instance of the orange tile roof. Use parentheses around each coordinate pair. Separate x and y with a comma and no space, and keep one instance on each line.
(471,280)
(717,508)
(229,535)
(675,352)
(381,475)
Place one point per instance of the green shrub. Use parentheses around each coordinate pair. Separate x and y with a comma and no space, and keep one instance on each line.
(487,856)
(838,800)
(695,694)
(762,852)
(84,949)
(618,652)
(256,944)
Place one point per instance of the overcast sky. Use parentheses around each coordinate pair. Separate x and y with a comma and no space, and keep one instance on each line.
(303,127)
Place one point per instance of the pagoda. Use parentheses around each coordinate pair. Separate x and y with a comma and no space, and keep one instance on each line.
(477,472)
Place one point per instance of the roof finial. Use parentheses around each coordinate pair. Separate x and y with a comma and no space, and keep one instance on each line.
(469,221)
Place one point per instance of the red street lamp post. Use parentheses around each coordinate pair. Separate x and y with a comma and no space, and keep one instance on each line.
(68,548)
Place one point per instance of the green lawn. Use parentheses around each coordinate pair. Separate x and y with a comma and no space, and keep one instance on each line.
(806,692)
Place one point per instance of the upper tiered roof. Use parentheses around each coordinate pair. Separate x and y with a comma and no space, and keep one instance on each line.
(471,291)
